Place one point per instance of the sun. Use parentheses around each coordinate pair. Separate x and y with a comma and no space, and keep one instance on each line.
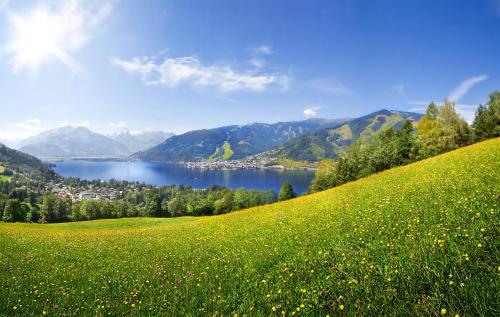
(37,37)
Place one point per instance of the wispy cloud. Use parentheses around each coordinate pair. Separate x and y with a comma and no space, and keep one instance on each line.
(263,50)
(171,72)
(17,131)
(329,85)
(464,87)
(54,31)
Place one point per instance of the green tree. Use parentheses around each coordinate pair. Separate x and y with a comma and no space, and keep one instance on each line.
(429,132)
(48,211)
(152,206)
(224,204)
(455,131)
(90,209)
(286,192)
(13,211)
(177,207)
(487,120)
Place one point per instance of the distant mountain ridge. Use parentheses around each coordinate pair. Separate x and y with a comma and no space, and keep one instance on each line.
(141,141)
(330,142)
(231,142)
(70,142)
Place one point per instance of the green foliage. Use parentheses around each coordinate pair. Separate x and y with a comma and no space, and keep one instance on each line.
(286,192)
(385,150)
(332,142)
(231,142)
(14,211)
(410,241)
(441,130)
(487,120)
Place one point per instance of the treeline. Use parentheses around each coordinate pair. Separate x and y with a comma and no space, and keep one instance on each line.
(440,130)
(148,201)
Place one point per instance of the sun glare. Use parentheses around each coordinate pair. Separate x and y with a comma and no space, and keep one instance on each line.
(37,38)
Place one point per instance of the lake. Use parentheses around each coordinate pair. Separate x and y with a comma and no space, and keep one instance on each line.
(169,174)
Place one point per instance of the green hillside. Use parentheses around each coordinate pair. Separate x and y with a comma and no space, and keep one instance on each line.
(231,142)
(330,142)
(416,240)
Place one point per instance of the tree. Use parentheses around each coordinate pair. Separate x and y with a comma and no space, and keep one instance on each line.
(405,144)
(325,176)
(176,206)
(487,120)
(442,129)
(48,211)
(90,209)
(153,204)
(286,192)
(429,132)
(224,204)
(13,211)
(455,130)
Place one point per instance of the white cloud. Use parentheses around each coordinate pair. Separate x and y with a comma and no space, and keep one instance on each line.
(464,87)
(467,112)
(310,112)
(20,130)
(329,85)
(174,71)
(258,62)
(54,32)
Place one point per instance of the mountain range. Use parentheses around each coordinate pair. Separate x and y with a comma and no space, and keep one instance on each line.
(140,141)
(231,142)
(80,142)
(329,142)
(309,140)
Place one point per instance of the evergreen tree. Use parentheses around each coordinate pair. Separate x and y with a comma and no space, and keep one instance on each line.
(487,120)
(286,192)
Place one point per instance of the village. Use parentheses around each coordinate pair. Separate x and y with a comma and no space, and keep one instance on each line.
(87,192)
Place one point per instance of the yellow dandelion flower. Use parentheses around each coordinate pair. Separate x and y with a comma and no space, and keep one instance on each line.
(273,308)
(443,311)
(341,307)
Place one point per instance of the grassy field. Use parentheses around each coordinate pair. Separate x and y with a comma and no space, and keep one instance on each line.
(3,178)
(416,240)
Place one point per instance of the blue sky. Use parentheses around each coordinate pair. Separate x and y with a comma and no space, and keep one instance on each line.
(181,65)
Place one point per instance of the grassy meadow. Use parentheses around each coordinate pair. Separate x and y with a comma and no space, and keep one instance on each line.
(422,239)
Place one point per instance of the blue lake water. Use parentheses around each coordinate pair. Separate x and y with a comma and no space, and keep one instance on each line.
(168,174)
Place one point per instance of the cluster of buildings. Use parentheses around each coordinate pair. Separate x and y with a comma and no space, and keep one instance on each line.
(252,162)
(92,192)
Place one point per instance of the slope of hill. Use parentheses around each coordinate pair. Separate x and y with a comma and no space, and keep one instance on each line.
(418,240)
(136,142)
(231,142)
(329,142)
(24,163)
(69,142)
